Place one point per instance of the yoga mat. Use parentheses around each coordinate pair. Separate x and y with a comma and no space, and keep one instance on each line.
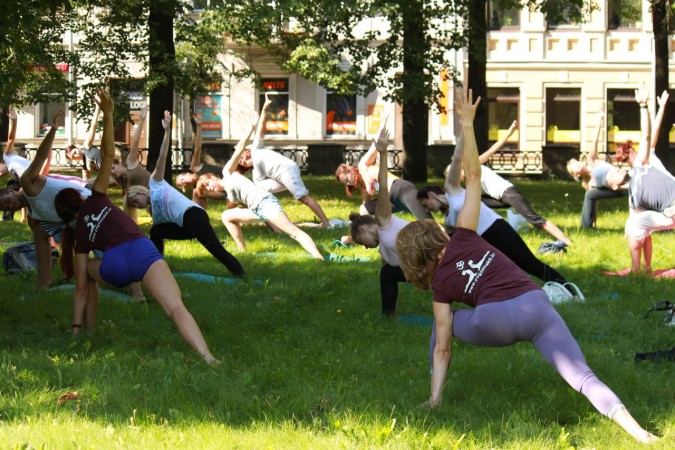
(415,320)
(661,273)
(106,293)
(329,257)
(212,279)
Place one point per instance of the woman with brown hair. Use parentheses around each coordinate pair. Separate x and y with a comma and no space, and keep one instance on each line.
(508,306)
(128,256)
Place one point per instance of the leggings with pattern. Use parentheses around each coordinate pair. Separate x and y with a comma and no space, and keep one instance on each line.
(531,317)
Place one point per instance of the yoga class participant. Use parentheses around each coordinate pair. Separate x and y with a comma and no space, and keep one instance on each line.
(128,256)
(507,307)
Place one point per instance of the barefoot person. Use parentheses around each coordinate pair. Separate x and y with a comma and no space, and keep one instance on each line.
(507,306)
(176,217)
(381,231)
(128,255)
(261,206)
(497,188)
(276,173)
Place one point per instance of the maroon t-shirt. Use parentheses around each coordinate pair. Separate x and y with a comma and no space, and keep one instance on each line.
(474,272)
(102,225)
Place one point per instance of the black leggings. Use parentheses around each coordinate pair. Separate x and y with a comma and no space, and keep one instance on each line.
(390,276)
(503,237)
(403,197)
(196,225)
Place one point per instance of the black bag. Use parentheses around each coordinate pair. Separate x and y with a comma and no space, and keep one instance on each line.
(669,309)
(21,258)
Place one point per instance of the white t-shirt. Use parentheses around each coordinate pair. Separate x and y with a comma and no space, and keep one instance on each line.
(42,206)
(492,184)
(16,165)
(168,205)
(268,164)
(241,189)
(486,217)
(388,235)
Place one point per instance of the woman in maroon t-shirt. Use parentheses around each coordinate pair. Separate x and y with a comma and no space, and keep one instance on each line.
(128,256)
(509,307)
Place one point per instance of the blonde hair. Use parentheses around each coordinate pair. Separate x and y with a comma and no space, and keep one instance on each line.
(585,178)
(131,192)
(418,245)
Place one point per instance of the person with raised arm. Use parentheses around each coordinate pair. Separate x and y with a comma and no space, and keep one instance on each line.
(380,231)
(651,193)
(506,305)
(132,173)
(88,152)
(203,178)
(37,195)
(599,178)
(491,226)
(497,188)
(174,216)
(274,172)
(261,206)
(128,256)
(364,178)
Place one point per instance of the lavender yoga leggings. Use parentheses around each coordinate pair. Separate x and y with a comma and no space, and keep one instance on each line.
(531,317)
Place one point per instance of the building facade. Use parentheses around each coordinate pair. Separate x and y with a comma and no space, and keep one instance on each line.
(552,78)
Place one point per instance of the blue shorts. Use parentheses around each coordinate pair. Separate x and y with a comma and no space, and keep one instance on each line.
(128,262)
(267,207)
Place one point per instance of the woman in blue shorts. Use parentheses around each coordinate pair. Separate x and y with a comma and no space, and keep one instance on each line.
(261,206)
(508,306)
(128,255)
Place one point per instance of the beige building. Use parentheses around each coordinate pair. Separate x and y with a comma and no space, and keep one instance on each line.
(552,78)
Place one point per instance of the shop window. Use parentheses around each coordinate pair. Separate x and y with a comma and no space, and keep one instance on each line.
(563,112)
(623,118)
(340,114)
(277,90)
(47,113)
(624,14)
(503,109)
(501,18)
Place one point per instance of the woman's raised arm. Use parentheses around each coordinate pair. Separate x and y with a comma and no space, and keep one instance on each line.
(106,104)
(465,109)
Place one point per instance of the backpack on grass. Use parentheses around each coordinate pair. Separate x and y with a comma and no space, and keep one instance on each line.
(21,258)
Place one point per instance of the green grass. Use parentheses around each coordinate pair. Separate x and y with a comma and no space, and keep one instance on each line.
(309,363)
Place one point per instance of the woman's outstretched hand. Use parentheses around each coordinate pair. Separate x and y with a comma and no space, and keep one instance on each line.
(465,108)
(104,101)
(166,121)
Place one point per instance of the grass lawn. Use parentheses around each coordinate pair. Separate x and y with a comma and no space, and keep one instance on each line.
(308,362)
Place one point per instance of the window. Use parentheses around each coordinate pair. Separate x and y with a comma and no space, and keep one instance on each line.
(563,112)
(277,89)
(209,107)
(340,114)
(624,14)
(500,18)
(47,113)
(503,105)
(623,118)
(561,14)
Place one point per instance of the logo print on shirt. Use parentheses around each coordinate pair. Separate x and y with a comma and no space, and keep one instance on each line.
(478,269)
(93,222)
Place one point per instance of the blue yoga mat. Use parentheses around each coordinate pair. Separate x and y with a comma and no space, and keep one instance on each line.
(415,320)
(107,293)
(212,279)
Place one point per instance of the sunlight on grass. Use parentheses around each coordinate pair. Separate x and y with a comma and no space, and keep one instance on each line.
(309,363)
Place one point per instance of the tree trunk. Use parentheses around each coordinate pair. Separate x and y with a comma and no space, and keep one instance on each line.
(661,78)
(415,110)
(477,56)
(162,57)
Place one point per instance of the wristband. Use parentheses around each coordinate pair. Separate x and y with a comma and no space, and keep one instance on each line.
(643,106)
